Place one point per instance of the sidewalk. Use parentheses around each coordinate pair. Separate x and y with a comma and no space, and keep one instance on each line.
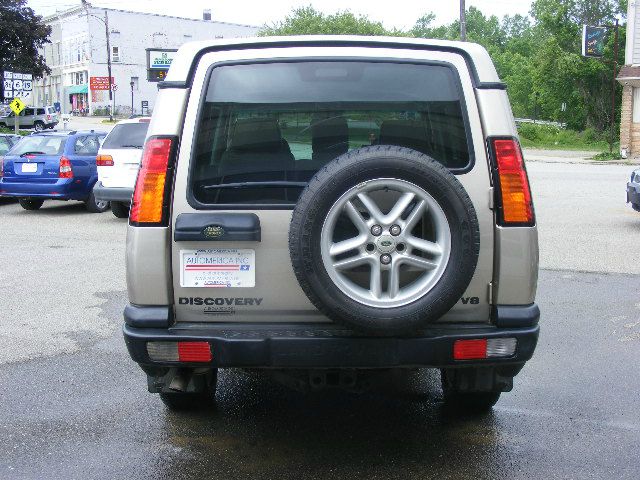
(87,123)
(571,156)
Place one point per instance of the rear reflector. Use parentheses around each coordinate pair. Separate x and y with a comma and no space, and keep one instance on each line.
(65,168)
(179,351)
(470,349)
(482,348)
(194,352)
(104,161)
(149,205)
(514,200)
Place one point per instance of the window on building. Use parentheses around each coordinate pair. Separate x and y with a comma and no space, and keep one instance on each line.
(115,54)
(636,105)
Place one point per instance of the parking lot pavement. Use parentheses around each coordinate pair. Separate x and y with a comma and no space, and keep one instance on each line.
(583,221)
(75,406)
(59,265)
(572,413)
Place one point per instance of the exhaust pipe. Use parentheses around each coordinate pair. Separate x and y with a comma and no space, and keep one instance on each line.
(180,380)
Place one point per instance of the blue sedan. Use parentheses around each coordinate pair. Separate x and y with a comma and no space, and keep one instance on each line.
(55,165)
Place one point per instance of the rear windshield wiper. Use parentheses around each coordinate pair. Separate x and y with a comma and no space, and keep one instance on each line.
(31,153)
(274,184)
(131,146)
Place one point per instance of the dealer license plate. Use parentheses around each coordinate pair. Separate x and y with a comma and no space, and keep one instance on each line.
(218,268)
(29,167)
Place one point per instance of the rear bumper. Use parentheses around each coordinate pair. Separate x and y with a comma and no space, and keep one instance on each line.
(112,194)
(323,345)
(62,189)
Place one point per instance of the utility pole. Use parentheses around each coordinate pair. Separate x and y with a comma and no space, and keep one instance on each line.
(106,30)
(613,88)
(85,4)
(463,22)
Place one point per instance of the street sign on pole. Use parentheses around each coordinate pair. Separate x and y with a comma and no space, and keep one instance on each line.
(16,85)
(17,106)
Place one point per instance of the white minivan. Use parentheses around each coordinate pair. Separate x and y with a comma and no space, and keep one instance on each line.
(118,161)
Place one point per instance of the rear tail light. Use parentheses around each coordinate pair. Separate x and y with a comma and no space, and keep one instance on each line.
(65,168)
(514,202)
(104,161)
(179,351)
(150,202)
(482,348)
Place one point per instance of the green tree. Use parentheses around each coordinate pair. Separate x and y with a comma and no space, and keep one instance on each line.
(562,74)
(309,21)
(22,34)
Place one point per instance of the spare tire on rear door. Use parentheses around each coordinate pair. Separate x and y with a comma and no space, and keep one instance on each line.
(384,239)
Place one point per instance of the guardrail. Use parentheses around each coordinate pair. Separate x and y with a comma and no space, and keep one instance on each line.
(541,122)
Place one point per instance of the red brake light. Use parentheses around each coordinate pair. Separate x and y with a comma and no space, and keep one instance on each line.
(104,161)
(470,349)
(194,352)
(148,205)
(65,168)
(514,193)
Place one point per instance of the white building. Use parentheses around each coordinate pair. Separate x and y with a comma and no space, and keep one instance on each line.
(78,51)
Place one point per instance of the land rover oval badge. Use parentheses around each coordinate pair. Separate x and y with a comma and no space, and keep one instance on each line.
(213,231)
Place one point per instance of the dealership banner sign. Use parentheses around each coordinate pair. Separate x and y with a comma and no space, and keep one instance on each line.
(100,83)
(158,63)
(593,40)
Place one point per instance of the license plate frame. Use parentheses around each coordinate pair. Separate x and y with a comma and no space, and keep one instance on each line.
(29,167)
(218,268)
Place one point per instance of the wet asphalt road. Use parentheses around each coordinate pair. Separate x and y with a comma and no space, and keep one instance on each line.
(75,406)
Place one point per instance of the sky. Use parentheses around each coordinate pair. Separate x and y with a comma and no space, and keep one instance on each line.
(400,14)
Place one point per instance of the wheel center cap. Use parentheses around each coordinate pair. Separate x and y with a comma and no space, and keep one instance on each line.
(386,244)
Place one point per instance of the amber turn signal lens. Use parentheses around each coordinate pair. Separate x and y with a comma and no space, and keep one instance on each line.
(104,161)
(148,196)
(517,207)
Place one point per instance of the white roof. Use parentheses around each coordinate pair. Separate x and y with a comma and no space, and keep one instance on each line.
(476,55)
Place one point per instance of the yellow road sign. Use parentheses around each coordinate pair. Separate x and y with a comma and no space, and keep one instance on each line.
(17,106)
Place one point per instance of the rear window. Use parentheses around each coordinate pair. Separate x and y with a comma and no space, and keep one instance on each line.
(40,145)
(87,145)
(5,145)
(266,129)
(127,135)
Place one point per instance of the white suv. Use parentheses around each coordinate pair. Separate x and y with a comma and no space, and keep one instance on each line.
(118,162)
(322,208)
